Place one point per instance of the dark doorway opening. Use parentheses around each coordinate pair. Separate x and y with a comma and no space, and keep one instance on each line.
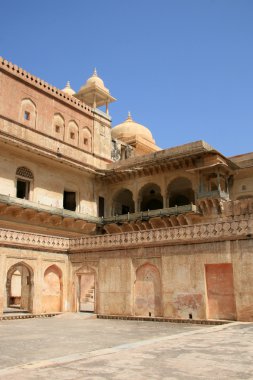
(23,188)
(101,206)
(69,200)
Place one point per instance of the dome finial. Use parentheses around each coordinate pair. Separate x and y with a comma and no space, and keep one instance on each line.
(67,89)
(129,116)
(95,72)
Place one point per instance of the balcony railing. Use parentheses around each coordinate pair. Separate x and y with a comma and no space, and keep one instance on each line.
(142,215)
(213,194)
(26,204)
(145,215)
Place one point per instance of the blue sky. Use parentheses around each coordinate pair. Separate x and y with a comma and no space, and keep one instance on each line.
(184,68)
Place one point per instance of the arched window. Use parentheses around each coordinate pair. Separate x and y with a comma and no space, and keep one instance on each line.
(85,139)
(123,202)
(150,197)
(24,178)
(58,126)
(180,192)
(72,135)
(28,113)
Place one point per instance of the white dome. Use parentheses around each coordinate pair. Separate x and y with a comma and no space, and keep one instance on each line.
(68,90)
(130,128)
(94,81)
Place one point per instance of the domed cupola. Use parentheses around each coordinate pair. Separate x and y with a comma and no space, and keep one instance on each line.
(94,93)
(68,90)
(136,135)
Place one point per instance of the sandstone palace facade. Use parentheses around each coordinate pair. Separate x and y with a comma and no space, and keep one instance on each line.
(99,219)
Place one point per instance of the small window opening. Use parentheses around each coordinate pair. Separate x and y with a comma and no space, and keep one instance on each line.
(57,128)
(101,206)
(85,141)
(243,187)
(27,115)
(149,314)
(23,188)
(190,316)
(72,135)
(69,200)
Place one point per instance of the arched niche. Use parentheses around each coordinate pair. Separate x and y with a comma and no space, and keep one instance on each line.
(28,113)
(150,197)
(180,192)
(19,287)
(72,134)
(58,127)
(147,291)
(85,139)
(123,202)
(52,290)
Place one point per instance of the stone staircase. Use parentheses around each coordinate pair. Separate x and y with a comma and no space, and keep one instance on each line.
(88,302)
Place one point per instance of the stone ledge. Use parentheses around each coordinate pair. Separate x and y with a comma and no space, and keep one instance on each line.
(26,316)
(164,319)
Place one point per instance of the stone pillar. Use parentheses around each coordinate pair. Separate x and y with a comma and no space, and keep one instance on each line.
(164,200)
(136,201)
(164,192)
(94,102)
(218,181)
(2,282)
(37,286)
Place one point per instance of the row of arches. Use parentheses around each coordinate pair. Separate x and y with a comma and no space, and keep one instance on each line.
(69,132)
(179,193)
(20,288)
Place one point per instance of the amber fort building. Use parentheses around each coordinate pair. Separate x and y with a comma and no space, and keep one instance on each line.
(98,218)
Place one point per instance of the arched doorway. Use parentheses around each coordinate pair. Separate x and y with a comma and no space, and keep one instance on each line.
(52,290)
(150,197)
(19,286)
(86,290)
(147,291)
(180,192)
(123,202)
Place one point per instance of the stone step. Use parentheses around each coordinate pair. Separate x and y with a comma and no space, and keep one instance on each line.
(165,319)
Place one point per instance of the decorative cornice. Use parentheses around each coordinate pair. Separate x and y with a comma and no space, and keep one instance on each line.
(198,233)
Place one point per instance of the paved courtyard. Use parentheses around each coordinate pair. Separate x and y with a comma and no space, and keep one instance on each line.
(74,346)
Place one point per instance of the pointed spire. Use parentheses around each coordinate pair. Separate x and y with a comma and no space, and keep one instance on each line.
(129,116)
(95,72)
(67,89)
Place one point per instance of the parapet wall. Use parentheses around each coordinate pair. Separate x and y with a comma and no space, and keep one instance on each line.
(40,84)
(206,232)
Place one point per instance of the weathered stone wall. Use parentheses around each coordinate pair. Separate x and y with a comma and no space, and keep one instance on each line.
(50,180)
(37,264)
(181,270)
